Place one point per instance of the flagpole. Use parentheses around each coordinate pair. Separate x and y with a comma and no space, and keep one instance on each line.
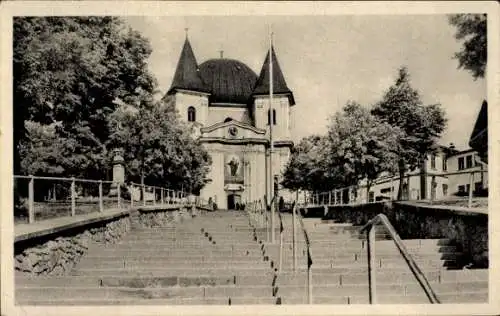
(271,121)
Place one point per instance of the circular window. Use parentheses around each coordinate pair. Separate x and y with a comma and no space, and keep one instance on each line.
(233,131)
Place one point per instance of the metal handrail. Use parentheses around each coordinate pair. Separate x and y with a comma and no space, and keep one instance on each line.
(331,196)
(309,259)
(419,275)
(281,241)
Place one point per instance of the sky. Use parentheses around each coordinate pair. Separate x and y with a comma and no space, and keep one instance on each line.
(328,60)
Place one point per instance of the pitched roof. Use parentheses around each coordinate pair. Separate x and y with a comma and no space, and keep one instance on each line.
(479,136)
(279,83)
(186,74)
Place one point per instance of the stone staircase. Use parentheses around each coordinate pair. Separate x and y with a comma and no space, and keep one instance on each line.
(340,268)
(223,258)
(210,259)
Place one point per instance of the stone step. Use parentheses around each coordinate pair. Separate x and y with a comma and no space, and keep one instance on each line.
(166,257)
(383,277)
(145,281)
(220,271)
(382,289)
(194,237)
(267,277)
(166,245)
(177,271)
(381,262)
(88,264)
(143,293)
(289,295)
(481,297)
(357,248)
(158,302)
(179,252)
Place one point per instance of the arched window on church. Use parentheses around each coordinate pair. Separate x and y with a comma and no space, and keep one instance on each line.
(269,117)
(191,114)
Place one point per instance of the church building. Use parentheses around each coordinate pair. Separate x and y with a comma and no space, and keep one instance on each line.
(229,106)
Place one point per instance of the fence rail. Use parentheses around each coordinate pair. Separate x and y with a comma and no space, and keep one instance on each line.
(40,198)
(369,228)
(352,195)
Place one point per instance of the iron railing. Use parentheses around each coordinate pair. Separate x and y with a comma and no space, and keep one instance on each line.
(351,195)
(369,228)
(309,259)
(39,198)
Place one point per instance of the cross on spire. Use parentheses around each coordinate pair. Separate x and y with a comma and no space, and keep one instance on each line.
(186,30)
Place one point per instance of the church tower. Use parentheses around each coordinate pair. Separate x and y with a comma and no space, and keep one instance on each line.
(281,115)
(283,100)
(189,94)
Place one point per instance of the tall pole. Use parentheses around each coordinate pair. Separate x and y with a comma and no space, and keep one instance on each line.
(271,120)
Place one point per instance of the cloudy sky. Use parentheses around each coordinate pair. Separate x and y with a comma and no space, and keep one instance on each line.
(328,60)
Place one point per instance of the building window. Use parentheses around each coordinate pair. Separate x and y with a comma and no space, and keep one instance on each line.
(445,189)
(371,196)
(467,188)
(269,117)
(468,161)
(191,114)
(478,186)
(461,165)
(228,119)
(461,189)
(433,161)
(385,190)
(445,164)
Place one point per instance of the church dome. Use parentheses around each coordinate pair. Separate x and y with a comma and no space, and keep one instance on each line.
(229,80)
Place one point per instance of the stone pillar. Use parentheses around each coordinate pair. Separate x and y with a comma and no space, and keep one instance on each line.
(118,171)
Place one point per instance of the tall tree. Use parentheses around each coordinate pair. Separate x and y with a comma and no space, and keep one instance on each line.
(69,71)
(361,146)
(471,30)
(159,149)
(306,168)
(421,126)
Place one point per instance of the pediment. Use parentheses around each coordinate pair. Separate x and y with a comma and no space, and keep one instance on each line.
(232,130)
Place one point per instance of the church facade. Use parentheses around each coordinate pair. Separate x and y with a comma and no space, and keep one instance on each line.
(229,106)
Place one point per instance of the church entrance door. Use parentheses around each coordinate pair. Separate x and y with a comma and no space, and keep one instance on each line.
(233,201)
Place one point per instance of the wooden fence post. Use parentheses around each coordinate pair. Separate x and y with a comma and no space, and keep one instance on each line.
(294,237)
(118,190)
(471,184)
(101,207)
(131,195)
(143,195)
(371,265)
(73,197)
(31,200)
(154,195)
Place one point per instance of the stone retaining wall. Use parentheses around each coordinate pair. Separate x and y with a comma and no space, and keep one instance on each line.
(59,255)
(160,218)
(468,230)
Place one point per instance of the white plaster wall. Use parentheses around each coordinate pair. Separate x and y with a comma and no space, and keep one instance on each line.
(282,129)
(215,188)
(183,100)
(219,114)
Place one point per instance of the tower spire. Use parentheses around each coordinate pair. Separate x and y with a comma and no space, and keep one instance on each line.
(262,87)
(186,74)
